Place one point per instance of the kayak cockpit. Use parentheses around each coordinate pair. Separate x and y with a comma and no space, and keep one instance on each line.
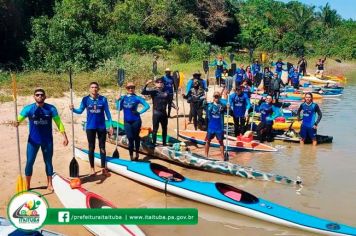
(95,201)
(165,173)
(236,194)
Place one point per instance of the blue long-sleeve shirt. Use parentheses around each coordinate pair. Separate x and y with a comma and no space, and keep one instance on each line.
(239,75)
(279,66)
(295,77)
(96,108)
(220,64)
(256,68)
(239,104)
(203,85)
(269,112)
(129,104)
(168,84)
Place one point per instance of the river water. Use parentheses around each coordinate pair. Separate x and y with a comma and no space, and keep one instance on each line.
(328,172)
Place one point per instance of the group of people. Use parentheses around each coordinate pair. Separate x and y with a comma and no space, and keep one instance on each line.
(41,114)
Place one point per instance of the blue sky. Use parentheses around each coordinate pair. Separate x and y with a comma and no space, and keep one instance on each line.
(346,8)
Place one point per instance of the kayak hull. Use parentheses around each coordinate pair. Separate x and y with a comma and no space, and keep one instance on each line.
(232,145)
(81,198)
(197,161)
(220,195)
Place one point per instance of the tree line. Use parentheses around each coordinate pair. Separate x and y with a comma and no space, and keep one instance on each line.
(49,35)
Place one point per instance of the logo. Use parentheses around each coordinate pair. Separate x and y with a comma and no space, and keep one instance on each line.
(27,211)
(63,216)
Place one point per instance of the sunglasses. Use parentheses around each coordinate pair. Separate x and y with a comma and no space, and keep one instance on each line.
(216,96)
(39,95)
(131,87)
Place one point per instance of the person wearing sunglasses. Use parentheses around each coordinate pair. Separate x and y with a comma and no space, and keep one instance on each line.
(215,116)
(97,107)
(40,115)
(160,100)
(132,120)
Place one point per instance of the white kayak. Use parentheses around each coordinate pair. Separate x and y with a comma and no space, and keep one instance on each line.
(317,80)
(81,198)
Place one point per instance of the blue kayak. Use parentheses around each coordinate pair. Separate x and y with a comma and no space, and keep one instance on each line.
(219,195)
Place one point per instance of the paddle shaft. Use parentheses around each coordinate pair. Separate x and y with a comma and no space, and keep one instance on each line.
(227,121)
(17,128)
(72,115)
(177,111)
(118,120)
(253,110)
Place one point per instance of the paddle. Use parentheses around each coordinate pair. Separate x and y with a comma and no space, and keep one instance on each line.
(226,154)
(73,166)
(120,82)
(253,110)
(20,183)
(185,118)
(176,80)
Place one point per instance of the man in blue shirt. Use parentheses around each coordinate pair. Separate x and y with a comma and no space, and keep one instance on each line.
(40,115)
(279,67)
(97,107)
(215,115)
(239,104)
(239,76)
(295,78)
(256,71)
(169,87)
(132,119)
(220,66)
(311,118)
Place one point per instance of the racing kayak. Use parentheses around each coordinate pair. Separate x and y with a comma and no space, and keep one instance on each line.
(198,137)
(293,136)
(317,80)
(219,195)
(179,154)
(82,198)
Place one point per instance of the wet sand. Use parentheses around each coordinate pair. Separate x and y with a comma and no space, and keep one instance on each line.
(327,171)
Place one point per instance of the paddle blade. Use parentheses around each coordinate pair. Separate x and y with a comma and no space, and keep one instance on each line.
(233,69)
(116,154)
(75,183)
(154,67)
(205,66)
(226,156)
(20,185)
(73,168)
(120,77)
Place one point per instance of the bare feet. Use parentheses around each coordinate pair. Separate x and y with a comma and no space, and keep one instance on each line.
(92,172)
(50,188)
(106,172)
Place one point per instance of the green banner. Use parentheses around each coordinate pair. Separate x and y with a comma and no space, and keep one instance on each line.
(113,216)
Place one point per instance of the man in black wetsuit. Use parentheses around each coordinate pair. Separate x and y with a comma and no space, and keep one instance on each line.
(160,100)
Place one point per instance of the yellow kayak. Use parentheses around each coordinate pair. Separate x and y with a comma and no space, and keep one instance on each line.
(336,78)
(284,125)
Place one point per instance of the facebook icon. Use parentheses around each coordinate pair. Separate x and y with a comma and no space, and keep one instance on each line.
(63,216)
